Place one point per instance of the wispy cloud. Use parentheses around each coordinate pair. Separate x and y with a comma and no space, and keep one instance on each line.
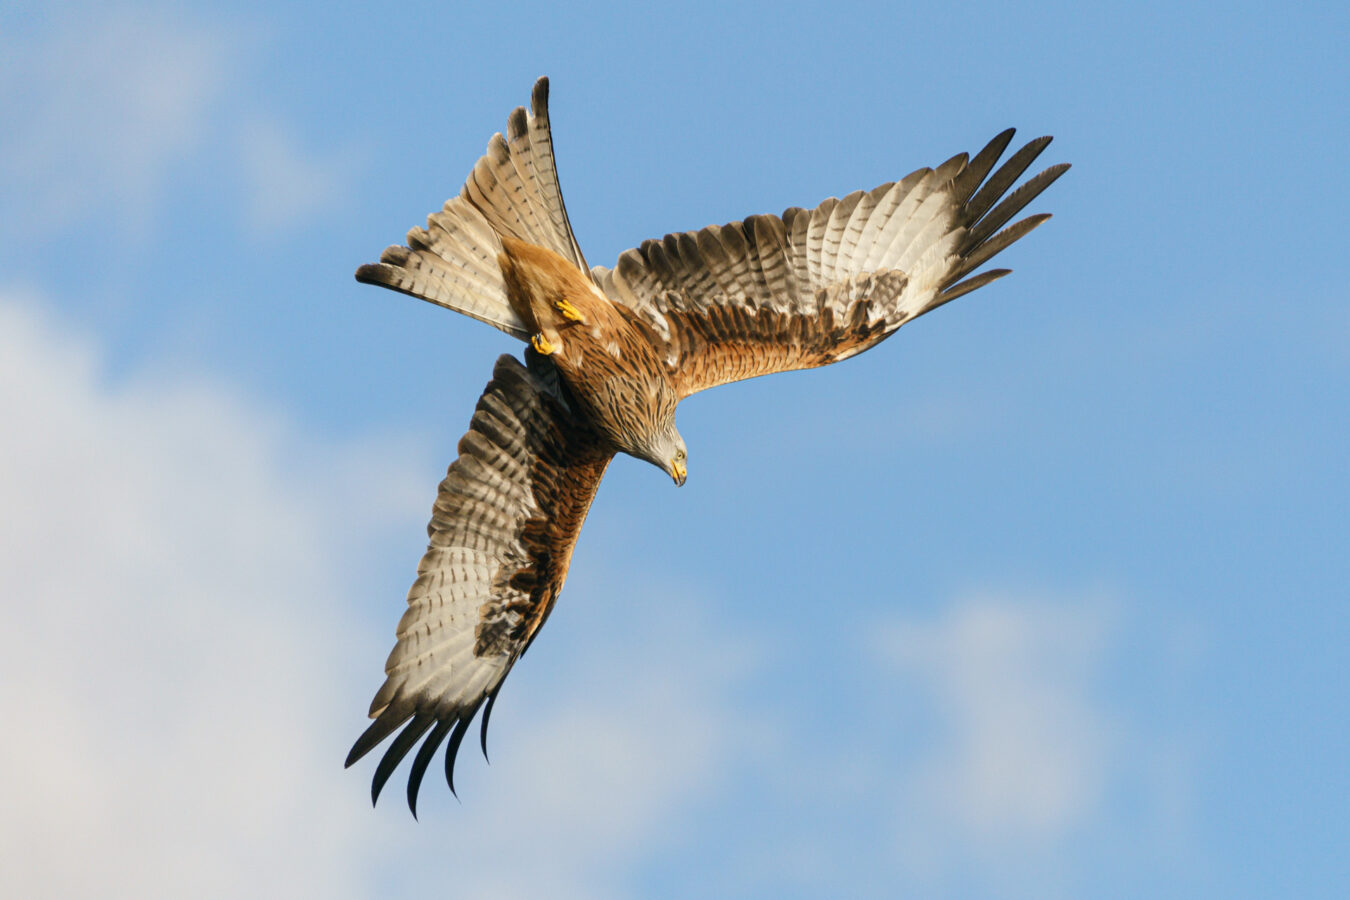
(1027,758)
(613,756)
(1023,749)
(111,111)
(178,635)
(286,182)
(186,663)
(99,111)
(168,647)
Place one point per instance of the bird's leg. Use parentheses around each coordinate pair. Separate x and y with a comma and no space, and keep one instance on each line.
(542,346)
(570,312)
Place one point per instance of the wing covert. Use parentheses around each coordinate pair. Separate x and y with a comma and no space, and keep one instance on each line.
(505,521)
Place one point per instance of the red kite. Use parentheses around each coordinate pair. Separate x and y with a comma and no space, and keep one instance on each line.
(612,353)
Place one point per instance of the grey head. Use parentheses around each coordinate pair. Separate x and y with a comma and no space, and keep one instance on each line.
(665,449)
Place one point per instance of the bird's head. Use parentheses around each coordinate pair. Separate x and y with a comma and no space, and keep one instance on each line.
(667,452)
(678,465)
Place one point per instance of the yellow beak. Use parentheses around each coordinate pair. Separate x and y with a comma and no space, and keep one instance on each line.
(678,471)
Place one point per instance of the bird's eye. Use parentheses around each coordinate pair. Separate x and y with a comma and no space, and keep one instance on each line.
(679,454)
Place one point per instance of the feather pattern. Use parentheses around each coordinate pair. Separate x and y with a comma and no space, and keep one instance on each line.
(816,286)
(501,537)
(513,191)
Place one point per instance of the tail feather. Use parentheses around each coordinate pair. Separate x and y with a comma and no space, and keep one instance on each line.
(513,191)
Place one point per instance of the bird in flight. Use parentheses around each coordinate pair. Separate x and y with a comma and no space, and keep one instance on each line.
(610,354)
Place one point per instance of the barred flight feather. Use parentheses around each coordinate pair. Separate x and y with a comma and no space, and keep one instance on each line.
(917,237)
(510,506)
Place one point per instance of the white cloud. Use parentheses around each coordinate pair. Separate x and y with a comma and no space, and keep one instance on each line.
(287,183)
(185,666)
(608,774)
(105,105)
(118,108)
(177,639)
(166,642)
(1023,750)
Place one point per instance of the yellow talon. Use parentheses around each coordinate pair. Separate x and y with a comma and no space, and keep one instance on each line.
(570,312)
(542,346)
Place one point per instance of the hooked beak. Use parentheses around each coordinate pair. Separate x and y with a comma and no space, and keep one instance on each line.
(678,471)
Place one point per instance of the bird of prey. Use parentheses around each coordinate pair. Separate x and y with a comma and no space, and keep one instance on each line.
(611,353)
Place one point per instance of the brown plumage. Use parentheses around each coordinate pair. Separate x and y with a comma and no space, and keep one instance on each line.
(613,351)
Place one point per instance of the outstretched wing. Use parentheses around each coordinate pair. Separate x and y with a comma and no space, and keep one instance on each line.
(513,190)
(502,532)
(813,287)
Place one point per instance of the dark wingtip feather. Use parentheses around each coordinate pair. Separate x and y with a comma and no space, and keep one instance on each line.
(958,162)
(417,726)
(1012,204)
(539,97)
(979,167)
(371,273)
(990,247)
(357,751)
(452,749)
(482,730)
(967,286)
(1004,178)
(423,759)
(515,124)
(383,726)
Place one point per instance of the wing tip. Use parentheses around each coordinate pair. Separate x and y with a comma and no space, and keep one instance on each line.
(373,273)
(373,736)
(353,757)
(452,749)
(965,287)
(455,725)
(539,98)
(410,735)
(423,759)
(1058,169)
(483,725)
(516,124)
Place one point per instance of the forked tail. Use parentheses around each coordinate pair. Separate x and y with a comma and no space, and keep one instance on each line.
(512,191)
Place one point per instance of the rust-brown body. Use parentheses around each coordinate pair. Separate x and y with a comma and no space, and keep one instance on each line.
(609,364)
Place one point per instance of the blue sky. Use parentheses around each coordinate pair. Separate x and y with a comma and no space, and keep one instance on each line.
(1046,597)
